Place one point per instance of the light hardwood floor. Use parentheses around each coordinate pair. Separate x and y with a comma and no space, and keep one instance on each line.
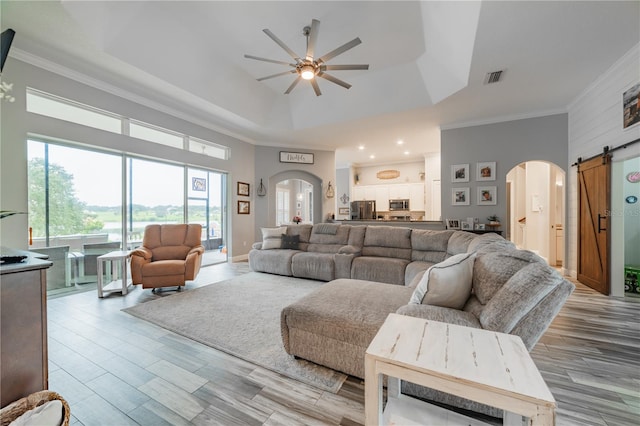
(115,369)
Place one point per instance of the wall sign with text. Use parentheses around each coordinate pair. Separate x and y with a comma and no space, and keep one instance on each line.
(296,157)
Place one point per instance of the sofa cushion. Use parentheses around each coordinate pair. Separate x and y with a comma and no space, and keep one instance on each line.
(326,228)
(438,313)
(414,272)
(290,242)
(459,242)
(342,313)
(493,269)
(276,261)
(272,237)
(328,242)
(387,241)
(304,231)
(429,246)
(524,290)
(380,269)
(316,266)
(446,284)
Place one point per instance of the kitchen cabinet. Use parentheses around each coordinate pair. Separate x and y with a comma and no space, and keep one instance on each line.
(382,198)
(357,193)
(399,191)
(416,197)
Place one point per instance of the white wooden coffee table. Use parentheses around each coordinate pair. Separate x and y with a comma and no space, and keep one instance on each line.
(484,366)
(120,282)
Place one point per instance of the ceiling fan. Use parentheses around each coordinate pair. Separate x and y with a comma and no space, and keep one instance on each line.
(308,68)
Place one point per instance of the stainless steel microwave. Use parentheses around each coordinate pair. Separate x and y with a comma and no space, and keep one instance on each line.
(397,205)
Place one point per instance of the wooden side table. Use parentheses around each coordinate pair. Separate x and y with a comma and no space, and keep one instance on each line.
(484,366)
(119,281)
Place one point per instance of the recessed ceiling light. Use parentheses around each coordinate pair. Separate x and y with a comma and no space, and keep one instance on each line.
(361,147)
(400,142)
(406,153)
(372,156)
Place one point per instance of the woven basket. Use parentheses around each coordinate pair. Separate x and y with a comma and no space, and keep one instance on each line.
(21,406)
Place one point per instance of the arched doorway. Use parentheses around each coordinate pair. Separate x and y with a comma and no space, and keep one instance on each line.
(305,190)
(294,199)
(536,209)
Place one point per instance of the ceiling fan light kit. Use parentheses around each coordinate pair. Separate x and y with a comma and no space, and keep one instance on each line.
(309,68)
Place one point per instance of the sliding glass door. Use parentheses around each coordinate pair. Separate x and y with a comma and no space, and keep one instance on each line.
(84,203)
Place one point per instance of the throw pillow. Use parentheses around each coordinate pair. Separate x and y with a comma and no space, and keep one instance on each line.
(49,413)
(291,242)
(446,284)
(272,237)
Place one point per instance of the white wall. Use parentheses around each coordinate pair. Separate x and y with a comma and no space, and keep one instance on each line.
(537,207)
(630,213)
(595,121)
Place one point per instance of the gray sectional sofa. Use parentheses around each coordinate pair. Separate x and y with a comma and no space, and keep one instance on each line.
(511,291)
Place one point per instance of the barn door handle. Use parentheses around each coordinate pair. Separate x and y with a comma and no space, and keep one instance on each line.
(600,228)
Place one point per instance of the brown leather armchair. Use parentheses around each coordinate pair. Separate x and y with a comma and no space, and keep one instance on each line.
(169,256)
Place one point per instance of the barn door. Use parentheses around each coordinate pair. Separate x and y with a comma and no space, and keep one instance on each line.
(593,223)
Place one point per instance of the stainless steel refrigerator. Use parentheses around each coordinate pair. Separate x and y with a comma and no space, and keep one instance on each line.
(363,210)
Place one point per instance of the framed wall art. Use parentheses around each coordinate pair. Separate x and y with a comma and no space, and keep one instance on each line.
(631,106)
(453,224)
(459,196)
(466,226)
(343,210)
(487,195)
(244,207)
(243,189)
(486,171)
(460,173)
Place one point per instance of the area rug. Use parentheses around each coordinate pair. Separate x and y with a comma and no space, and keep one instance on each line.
(241,316)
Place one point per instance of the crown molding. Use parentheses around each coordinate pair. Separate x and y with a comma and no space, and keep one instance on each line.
(504,119)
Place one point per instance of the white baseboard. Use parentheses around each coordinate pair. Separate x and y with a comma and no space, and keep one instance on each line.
(241,258)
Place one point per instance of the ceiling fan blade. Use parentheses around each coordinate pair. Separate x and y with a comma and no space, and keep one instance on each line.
(313,36)
(315,86)
(293,85)
(281,44)
(276,75)
(345,67)
(334,80)
(257,58)
(335,52)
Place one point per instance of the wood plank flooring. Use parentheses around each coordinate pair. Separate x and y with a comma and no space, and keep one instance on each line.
(115,369)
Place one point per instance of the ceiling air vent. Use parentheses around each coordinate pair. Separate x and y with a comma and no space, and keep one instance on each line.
(493,77)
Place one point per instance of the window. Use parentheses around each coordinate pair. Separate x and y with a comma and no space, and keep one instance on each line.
(208,148)
(282,206)
(62,109)
(155,134)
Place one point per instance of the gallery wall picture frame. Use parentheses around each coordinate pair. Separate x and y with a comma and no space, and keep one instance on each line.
(479,227)
(243,189)
(631,107)
(486,171)
(453,224)
(466,226)
(244,207)
(459,196)
(487,195)
(459,173)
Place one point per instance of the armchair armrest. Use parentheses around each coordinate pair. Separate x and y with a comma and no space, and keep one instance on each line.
(197,249)
(143,252)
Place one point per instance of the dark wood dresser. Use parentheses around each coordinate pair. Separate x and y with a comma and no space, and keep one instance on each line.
(23,324)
